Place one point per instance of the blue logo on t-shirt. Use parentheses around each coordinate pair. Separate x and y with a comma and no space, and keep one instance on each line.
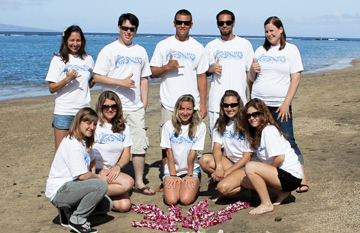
(181,140)
(111,138)
(271,59)
(122,60)
(87,158)
(260,149)
(228,55)
(228,134)
(77,68)
(177,55)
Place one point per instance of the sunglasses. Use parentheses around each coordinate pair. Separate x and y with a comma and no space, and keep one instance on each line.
(221,23)
(107,107)
(254,114)
(179,22)
(132,29)
(233,105)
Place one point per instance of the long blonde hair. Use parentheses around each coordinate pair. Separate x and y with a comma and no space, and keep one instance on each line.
(118,122)
(84,114)
(195,119)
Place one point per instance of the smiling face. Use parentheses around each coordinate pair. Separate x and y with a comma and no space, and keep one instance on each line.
(229,111)
(109,110)
(87,128)
(225,29)
(74,42)
(254,121)
(273,34)
(182,30)
(186,111)
(127,36)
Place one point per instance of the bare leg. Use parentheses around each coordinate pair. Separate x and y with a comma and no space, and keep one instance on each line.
(303,182)
(230,185)
(59,135)
(207,164)
(171,194)
(139,164)
(122,202)
(188,195)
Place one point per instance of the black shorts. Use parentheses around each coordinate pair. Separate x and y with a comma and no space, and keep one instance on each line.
(288,181)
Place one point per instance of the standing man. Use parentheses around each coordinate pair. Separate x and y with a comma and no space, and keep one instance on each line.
(123,67)
(179,62)
(230,58)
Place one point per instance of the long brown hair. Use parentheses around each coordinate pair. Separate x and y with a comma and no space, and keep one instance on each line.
(223,119)
(254,134)
(277,23)
(84,114)
(64,49)
(195,119)
(118,122)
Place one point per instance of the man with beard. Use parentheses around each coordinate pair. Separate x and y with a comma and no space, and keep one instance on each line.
(230,58)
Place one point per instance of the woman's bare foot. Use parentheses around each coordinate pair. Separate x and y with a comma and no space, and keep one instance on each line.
(281,197)
(262,209)
(218,198)
(160,188)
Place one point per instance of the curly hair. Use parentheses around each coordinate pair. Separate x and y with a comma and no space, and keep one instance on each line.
(254,134)
(277,23)
(118,122)
(64,49)
(195,119)
(84,114)
(223,119)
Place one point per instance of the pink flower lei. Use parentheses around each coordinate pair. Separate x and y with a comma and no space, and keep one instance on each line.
(198,216)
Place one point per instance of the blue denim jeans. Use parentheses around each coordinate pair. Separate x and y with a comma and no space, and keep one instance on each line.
(287,128)
(62,121)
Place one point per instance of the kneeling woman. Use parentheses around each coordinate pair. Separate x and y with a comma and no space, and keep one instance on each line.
(71,185)
(228,134)
(280,170)
(112,150)
(182,137)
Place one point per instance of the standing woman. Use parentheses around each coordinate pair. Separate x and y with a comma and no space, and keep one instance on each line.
(71,185)
(182,137)
(69,74)
(275,74)
(228,133)
(279,171)
(112,150)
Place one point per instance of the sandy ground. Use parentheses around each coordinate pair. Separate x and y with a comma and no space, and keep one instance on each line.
(327,125)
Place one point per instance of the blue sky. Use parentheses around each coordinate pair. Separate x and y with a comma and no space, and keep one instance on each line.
(305,18)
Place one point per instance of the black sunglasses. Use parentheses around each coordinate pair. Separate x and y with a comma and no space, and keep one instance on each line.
(179,22)
(254,114)
(221,23)
(233,105)
(132,29)
(107,107)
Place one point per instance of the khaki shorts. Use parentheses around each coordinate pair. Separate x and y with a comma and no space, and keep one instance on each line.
(165,116)
(136,121)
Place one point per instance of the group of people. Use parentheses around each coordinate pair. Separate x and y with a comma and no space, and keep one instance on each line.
(93,147)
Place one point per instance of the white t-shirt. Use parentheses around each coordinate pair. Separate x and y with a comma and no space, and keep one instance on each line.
(234,146)
(181,145)
(274,144)
(272,83)
(109,146)
(76,94)
(71,160)
(175,83)
(119,61)
(236,57)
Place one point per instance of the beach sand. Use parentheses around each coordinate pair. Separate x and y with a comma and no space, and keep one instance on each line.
(326,111)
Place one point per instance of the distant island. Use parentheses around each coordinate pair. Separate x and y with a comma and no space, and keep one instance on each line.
(14,28)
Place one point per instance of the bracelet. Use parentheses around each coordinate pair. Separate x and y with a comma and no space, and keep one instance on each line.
(118,166)
(190,175)
(173,175)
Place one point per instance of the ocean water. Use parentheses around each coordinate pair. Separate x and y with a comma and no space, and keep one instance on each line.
(25,57)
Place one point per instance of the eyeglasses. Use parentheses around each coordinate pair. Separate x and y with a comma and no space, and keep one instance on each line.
(254,114)
(228,22)
(132,29)
(107,107)
(179,22)
(233,105)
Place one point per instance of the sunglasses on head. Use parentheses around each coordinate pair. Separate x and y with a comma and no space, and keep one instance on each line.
(107,107)
(179,22)
(233,105)
(254,114)
(132,29)
(221,23)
